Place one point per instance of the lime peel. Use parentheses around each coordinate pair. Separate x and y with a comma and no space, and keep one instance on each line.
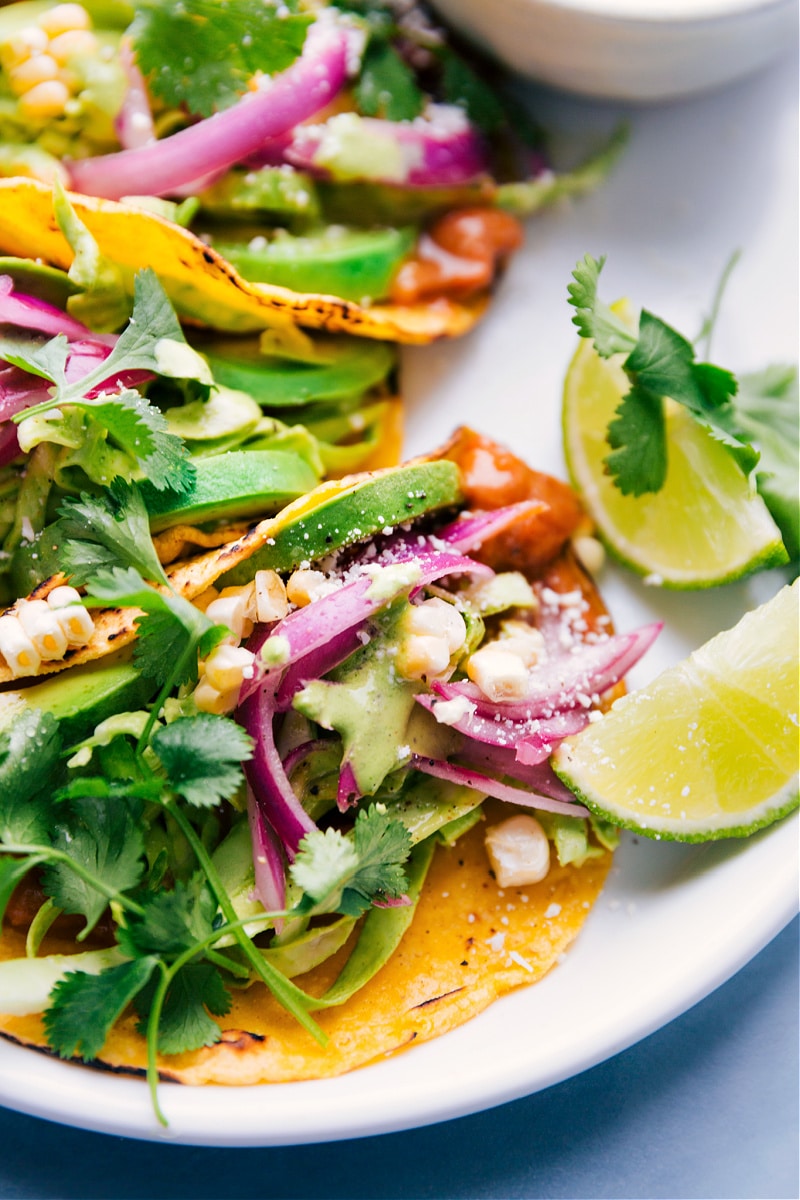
(710,748)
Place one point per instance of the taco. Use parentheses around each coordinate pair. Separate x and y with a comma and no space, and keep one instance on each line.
(384,668)
(346,167)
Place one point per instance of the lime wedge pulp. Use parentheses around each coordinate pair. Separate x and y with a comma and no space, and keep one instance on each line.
(710,748)
(706,526)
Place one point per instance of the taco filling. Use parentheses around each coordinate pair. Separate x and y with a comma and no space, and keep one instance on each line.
(348,153)
(309,818)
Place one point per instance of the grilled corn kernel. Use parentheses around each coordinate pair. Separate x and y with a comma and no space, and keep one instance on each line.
(63,595)
(272,603)
(43,627)
(21,45)
(437,618)
(304,587)
(63,17)
(77,623)
(422,656)
(590,552)
(519,851)
(48,99)
(523,640)
(17,648)
(209,699)
(230,611)
(73,43)
(39,68)
(229,666)
(499,675)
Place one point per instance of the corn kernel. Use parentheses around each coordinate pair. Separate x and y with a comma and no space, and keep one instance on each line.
(48,99)
(63,17)
(40,68)
(499,675)
(422,656)
(17,648)
(519,851)
(437,618)
(228,666)
(272,603)
(62,595)
(77,623)
(230,611)
(74,43)
(22,45)
(590,552)
(525,641)
(209,699)
(42,626)
(306,586)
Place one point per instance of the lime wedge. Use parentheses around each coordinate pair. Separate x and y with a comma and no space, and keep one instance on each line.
(710,748)
(706,526)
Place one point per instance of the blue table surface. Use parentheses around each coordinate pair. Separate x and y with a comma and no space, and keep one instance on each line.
(706,1107)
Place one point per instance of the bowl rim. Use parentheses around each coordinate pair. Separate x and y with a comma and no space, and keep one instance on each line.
(652,12)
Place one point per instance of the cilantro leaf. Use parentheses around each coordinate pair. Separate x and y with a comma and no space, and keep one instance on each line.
(141,430)
(462,86)
(48,360)
(151,341)
(83,1008)
(660,364)
(594,319)
(638,440)
(184,1023)
(29,754)
(345,874)
(203,53)
(171,922)
(103,838)
(767,413)
(112,530)
(203,757)
(386,86)
(170,631)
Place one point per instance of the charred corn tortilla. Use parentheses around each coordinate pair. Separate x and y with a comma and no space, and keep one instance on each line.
(470,942)
(202,286)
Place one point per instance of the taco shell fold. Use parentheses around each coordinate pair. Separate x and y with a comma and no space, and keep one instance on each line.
(203,287)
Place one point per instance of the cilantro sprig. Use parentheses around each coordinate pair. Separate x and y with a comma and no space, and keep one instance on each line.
(345,873)
(660,363)
(111,412)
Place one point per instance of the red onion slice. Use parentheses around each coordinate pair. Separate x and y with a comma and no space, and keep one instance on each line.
(30,313)
(490,787)
(568,680)
(501,761)
(9,445)
(267,859)
(533,734)
(266,775)
(134,122)
(226,138)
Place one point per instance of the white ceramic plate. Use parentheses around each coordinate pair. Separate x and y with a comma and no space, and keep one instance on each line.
(674,922)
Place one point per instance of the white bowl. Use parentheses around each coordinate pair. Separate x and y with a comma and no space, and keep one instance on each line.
(641,50)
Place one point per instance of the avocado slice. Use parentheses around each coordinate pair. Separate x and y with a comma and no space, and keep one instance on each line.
(349,263)
(243,483)
(351,367)
(339,516)
(83,696)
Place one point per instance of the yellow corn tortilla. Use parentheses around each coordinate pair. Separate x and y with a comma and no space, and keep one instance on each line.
(470,942)
(202,286)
